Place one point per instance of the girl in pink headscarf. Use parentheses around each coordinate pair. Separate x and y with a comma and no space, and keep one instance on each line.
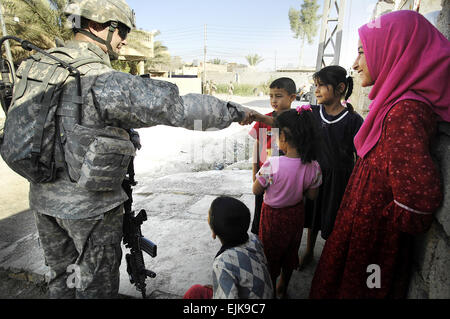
(395,186)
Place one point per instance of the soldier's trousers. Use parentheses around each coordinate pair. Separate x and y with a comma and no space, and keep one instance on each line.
(83,255)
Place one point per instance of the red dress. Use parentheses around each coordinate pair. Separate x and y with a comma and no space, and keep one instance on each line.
(391,196)
(280,231)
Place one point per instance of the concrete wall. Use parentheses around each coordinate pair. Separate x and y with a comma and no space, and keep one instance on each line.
(257,78)
(185,85)
(430,276)
(360,96)
(211,67)
(443,22)
(425,7)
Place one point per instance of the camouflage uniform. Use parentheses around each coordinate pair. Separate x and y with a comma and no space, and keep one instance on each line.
(84,228)
(85,244)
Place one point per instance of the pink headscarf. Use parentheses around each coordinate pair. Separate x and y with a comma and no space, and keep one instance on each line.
(408,58)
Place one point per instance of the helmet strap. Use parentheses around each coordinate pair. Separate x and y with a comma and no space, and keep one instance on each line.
(113,26)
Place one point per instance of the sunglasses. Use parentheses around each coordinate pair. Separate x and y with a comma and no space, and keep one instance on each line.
(123,31)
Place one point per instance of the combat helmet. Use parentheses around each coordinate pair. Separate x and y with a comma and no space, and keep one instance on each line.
(101,11)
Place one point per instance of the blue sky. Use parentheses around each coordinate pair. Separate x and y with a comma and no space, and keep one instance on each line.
(236,28)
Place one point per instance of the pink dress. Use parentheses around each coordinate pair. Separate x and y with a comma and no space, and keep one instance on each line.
(283,212)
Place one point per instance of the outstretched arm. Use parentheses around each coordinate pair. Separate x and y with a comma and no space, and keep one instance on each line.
(268,120)
(129,101)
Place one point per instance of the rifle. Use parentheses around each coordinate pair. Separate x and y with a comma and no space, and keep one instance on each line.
(133,239)
(6,87)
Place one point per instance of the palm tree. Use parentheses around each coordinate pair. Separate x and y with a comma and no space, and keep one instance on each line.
(43,21)
(38,21)
(254,59)
(160,57)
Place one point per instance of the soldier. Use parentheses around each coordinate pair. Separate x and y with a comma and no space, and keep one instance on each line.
(207,88)
(80,230)
(213,88)
(230,88)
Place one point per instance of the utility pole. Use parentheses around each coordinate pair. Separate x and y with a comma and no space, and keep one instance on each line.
(204,60)
(8,49)
(330,35)
(275,60)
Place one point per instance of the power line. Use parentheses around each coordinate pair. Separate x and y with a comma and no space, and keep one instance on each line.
(178,29)
(228,30)
(275,29)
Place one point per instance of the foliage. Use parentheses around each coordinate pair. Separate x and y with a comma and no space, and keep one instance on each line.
(38,21)
(253,59)
(122,65)
(133,41)
(217,61)
(304,23)
(244,89)
(161,58)
(222,88)
(265,87)
(43,21)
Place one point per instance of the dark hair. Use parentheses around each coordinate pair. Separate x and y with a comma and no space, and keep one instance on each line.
(301,131)
(334,75)
(286,84)
(229,218)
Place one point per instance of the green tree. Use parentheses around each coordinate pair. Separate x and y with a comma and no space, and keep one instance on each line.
(304,23)
(42,22)
(217,61)
(253,59)
(161,58)
(38,21)
(122,65)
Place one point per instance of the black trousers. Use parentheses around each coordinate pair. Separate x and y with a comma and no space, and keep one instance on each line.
(257,214)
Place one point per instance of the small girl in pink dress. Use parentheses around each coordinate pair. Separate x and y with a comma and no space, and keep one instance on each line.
(285,181)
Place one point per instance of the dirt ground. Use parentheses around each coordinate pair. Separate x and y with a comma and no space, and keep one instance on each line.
(12,288)
(14,192)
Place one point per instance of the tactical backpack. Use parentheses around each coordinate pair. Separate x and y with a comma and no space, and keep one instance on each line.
(43,132)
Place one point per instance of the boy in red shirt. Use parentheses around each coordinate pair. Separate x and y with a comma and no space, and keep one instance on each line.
(282,94)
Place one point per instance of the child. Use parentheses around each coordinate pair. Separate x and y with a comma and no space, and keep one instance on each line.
(395,187)
(339,123)
(285,180)
(240,267)
(282,94)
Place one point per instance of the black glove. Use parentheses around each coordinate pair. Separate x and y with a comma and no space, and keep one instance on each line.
(135,139)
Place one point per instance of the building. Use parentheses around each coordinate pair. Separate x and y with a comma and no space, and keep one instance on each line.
(139,48)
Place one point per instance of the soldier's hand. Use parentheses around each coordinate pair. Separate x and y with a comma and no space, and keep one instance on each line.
(135,139)
(248,118)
